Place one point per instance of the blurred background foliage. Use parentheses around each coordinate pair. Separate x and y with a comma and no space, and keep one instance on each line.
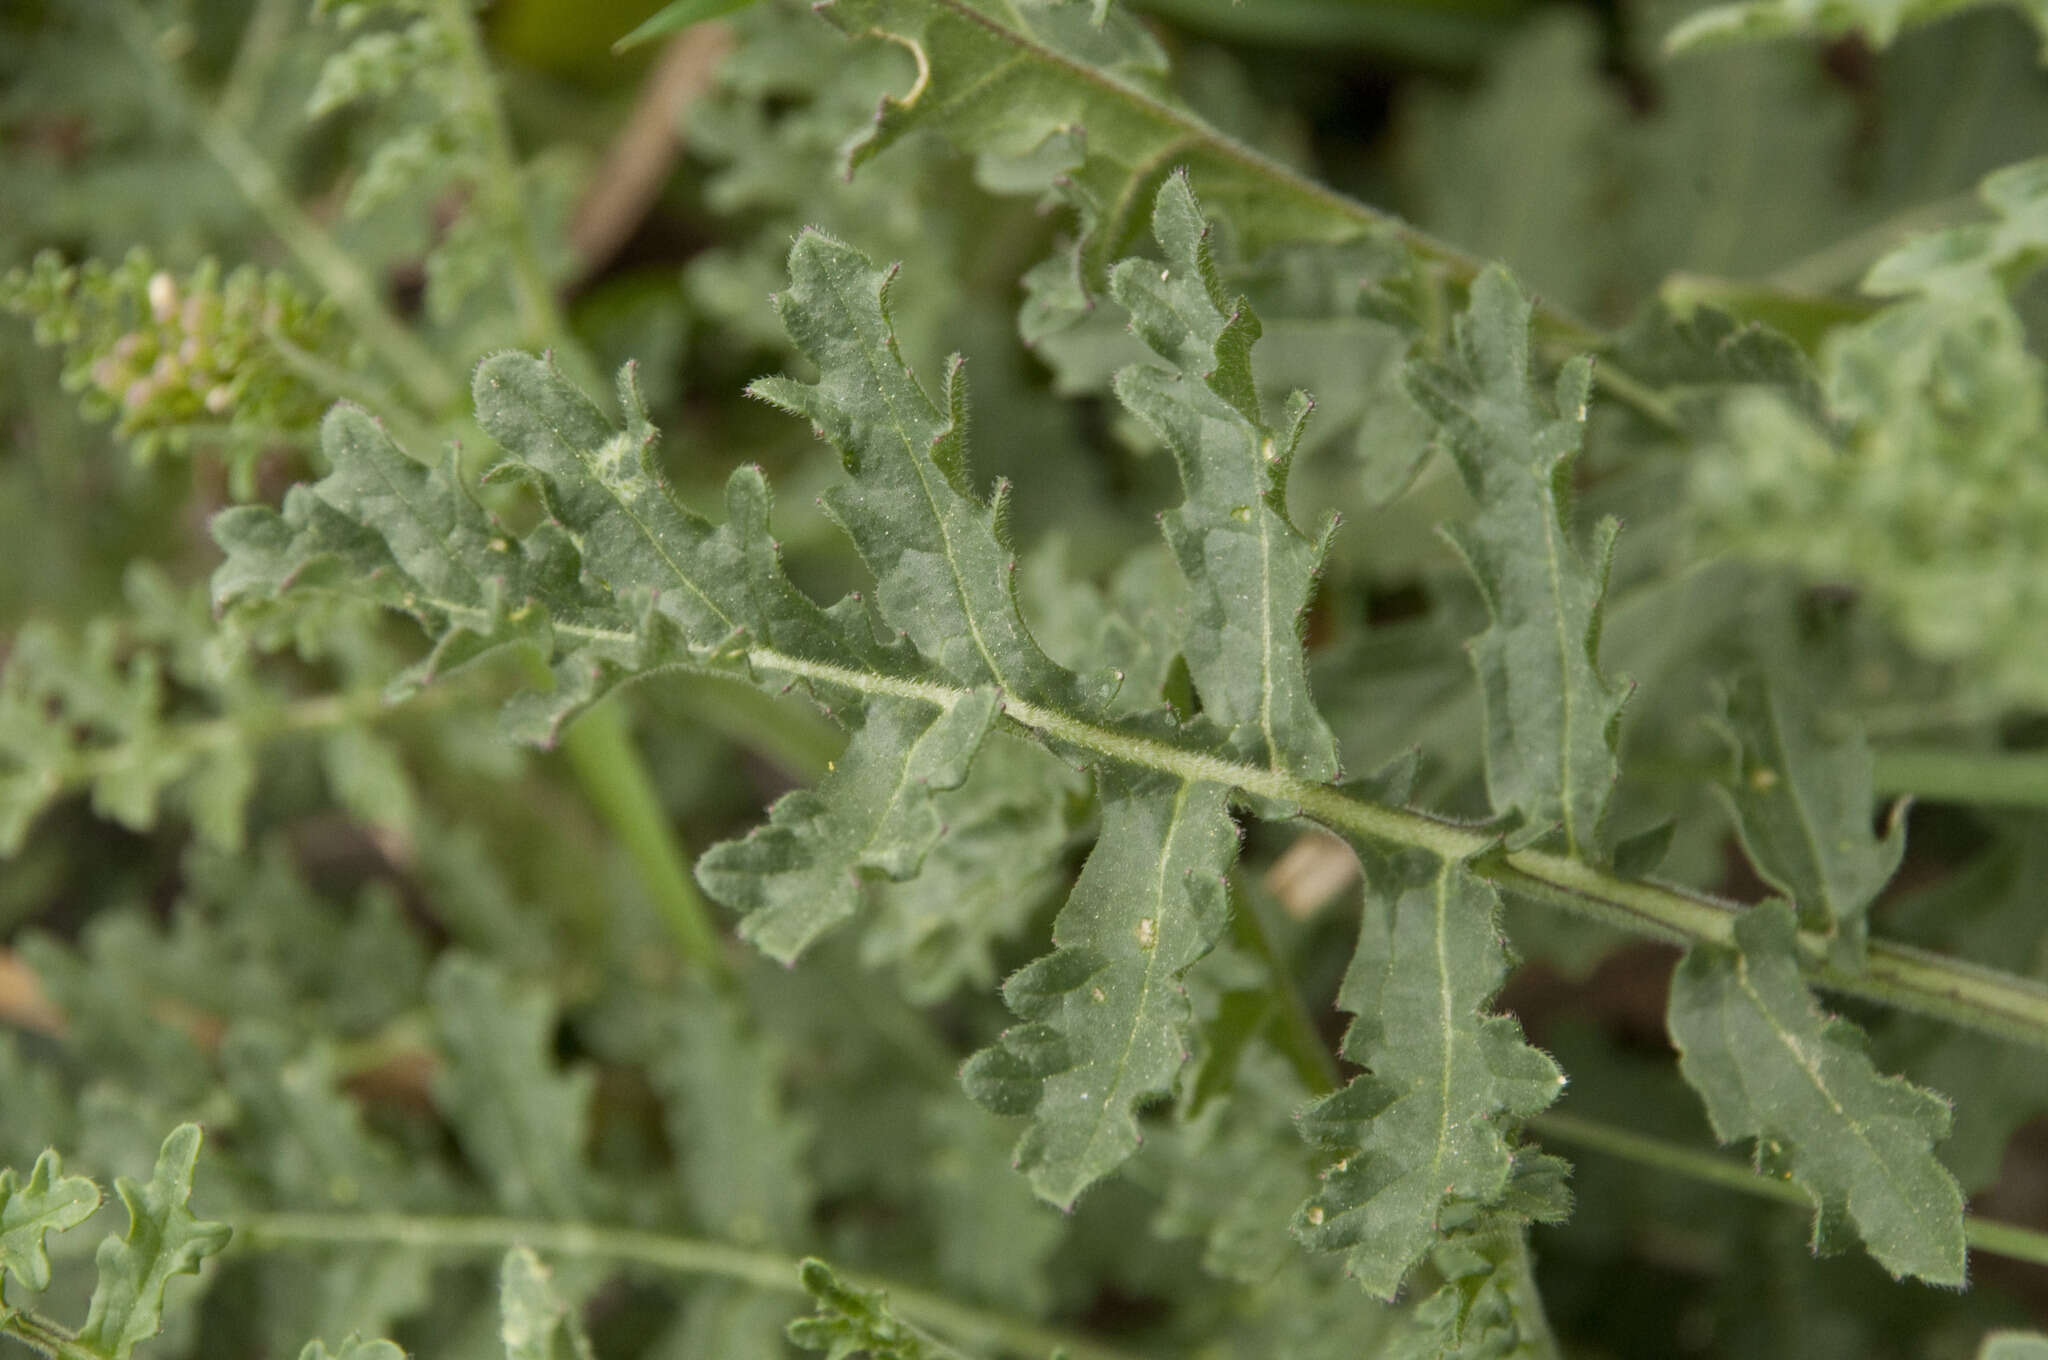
(354,946)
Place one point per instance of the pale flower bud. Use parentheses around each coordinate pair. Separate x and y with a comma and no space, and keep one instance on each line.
(163,296)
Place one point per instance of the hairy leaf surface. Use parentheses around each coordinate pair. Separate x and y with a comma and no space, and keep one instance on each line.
(1250,571)
(1801,796)
(1084,107)
(1105,1021)
(1770,1067)
(1428,1135)
(1550,714)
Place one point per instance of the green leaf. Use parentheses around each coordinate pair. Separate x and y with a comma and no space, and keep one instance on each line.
(943,570)
(534,1322)
(1769,1066)
(853,1321)
(616,580)
(1003,857)
(1551,716)
(993,1239)
(522,1122)
(674,17)
(1106,1025)
(105,708)
(1801,797)
(1878,21)
(2013,1346)
(1250,571)
(875,812)
(297,1127)
(1694,357)
(164,1238)
(48,1202)
(1964,260)
(354,1348)
(1428,1136)
(1477,1313)
(740,1145)
(1083,107)
(1920,492)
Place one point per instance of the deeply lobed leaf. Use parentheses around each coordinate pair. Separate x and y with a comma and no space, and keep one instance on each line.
(1769,1066)
(164,1238)
(1079,105)
(1428,1134)
(1250,571)
(1551,716)
(1105,1021)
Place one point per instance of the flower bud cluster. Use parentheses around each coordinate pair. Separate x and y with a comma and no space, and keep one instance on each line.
(169,358)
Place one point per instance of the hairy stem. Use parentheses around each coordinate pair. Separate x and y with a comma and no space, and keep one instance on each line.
(659,1251)
(46,1337)
(1987,1235)
(1980,998)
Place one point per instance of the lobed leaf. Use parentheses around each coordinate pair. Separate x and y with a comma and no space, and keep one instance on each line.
(1106,1025)
(1250,571)
(1769,1066)
(1079,106)
(534,1322)
(1427,1135)
(1801,797)
(853,1321)
(1001,859)
(1551,716)
(874,812)
(522,1122)
(164,1238)
(617,580)
(943,571)
(740,1146)
(49,1201)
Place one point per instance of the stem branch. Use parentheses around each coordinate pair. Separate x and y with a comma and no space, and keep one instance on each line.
(659,1251)
(1963,993)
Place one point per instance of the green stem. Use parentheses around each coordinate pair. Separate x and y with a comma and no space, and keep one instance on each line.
(1975,778)
(42,1335)
(1985,999)
(430,381)
(1987,1235)
(689,1256)
(600,749)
